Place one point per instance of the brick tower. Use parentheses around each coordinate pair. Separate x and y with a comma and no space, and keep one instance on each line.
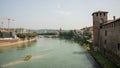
(99,18)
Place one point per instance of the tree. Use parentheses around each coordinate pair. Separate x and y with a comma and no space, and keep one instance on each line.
(1,34)
(26,35)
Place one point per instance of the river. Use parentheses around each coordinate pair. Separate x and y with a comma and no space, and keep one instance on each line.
(46,53)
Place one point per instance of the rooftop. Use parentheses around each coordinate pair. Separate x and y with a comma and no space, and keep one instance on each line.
(111,21)
(100,12)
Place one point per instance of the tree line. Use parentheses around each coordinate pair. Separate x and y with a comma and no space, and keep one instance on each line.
(27,35)
(22,35)
(74,35)
(47,33)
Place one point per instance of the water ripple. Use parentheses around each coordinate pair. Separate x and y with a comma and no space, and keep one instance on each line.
(21,61)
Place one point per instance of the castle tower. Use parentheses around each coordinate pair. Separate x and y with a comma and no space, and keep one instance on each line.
(99,18)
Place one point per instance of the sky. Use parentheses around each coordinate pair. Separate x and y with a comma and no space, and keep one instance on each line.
(54,14)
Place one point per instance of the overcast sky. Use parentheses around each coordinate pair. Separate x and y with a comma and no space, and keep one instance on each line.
(53,14)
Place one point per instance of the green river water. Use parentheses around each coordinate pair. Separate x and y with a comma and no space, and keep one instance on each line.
(46,53)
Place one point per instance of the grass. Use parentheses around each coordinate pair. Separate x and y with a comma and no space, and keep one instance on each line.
(104,62)
(101,59)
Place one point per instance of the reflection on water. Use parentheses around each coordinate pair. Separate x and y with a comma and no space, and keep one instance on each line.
(83,52)
(18,46)
(46,53)
(21,61)
(25,45)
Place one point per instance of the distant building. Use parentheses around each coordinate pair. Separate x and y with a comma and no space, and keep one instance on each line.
(106,35)
(88,30)
(8,34)
(21,30)
(91,32)
(11,33)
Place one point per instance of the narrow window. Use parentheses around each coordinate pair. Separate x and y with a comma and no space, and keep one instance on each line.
(105,32)
(100,14)
(118,46)
(96,14)
(104,14)
(105,41)
(118,23)
(114,24)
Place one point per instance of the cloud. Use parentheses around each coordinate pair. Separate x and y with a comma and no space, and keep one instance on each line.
(62,11)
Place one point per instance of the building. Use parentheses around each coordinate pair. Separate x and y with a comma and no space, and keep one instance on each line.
(11,33)
(6,34)
(88,31)
(21,30)
(106,35)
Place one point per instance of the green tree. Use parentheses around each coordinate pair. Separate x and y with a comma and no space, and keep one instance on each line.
(1,34)
(26,35)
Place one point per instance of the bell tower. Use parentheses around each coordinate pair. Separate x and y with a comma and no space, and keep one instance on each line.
(99,18)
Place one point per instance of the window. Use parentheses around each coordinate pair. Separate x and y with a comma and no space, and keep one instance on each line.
(118,46)
(105,32)
(96,14)
(118,23)
(104,14)
(101,27)
(109,26)
(112,24)
(115,23)
(100,14)
(101,20)
(105,41)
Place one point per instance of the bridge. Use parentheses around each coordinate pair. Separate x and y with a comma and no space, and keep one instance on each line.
(48,36)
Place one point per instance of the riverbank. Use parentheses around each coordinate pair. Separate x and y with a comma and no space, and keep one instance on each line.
(102,60)
(14,42)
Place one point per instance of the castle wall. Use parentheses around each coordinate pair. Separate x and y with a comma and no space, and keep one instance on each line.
(107,35)
(110,39)
(97,17)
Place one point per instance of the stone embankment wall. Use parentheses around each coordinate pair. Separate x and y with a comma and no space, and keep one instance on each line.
(15,41)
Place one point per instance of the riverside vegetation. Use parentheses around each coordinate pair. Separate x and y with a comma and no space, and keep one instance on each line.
(26,35)
(82,40)
(22,35)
